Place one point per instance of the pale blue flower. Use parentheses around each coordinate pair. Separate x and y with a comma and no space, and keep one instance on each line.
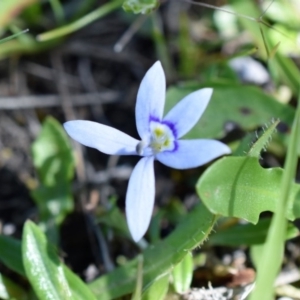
(159,140)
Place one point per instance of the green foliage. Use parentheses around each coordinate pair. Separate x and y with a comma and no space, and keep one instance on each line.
(10,254)
(183,274)
(140,6)
(9,9)
(236,186)
(282,67)
(158,289)
(239,187)
(246,106)
(43,268)
(10,290)
(263,141)
(54,162)
(160,258)
(247,234)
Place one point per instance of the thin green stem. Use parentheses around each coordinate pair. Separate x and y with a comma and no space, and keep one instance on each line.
(13,36)
(82,22)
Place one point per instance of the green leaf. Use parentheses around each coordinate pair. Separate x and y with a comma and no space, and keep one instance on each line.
(52,154)
(10,254)
(114,219)
(158,289)
(239,187)
(42,266)
(247,234)
(263,140)
(246,106)
(54,162)
(78,287)
(183,274)
(140,6)
(285,66)
(160,258)
(54,202)
(47,274)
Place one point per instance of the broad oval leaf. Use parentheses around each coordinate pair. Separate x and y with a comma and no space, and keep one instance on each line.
(239,187)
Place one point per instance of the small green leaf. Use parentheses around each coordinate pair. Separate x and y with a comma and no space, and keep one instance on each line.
(263,140)
(43,268)
(54,162)
(158,289)
(160,258)
(239,187)
(140,6)
(247,234)
(183,274)
(52,154)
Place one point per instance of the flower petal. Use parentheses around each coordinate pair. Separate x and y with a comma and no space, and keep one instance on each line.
(186,113)
(150,98)
(140,198)
(104,138)
(193,153)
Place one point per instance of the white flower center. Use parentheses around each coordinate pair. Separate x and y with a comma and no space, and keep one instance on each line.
(161,139)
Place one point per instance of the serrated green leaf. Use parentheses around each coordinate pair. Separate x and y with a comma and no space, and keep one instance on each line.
(140,6)
(247,234)
(183,274)
(246,106)
(160,258)
(239,187)
(262,142)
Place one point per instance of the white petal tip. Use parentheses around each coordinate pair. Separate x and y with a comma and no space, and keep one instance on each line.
(226,150)
(137,231)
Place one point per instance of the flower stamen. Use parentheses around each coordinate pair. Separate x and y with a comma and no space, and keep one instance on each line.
(162,137)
